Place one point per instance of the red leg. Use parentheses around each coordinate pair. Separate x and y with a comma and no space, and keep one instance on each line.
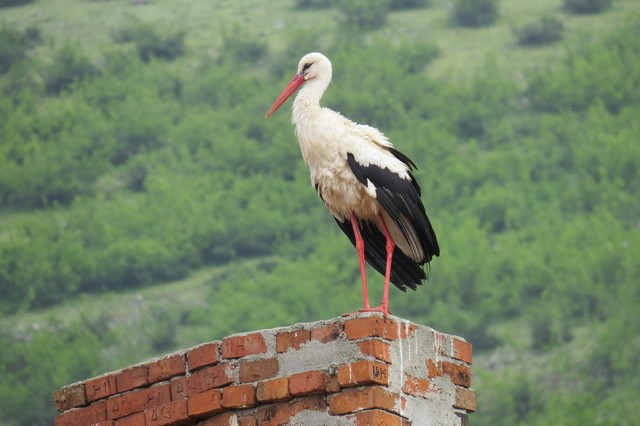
(384,307)
(360,249)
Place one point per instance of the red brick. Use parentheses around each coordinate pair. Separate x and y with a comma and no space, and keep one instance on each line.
(178,388)
(103,423)
(286,340)
(71,396)
(208,378)
(137,401)
(462,350)
(331,383)
(376,348)
(248,420)
(239,346)
(415,386)
(358,399)
(170,413)
(100,387)
(136,419)
(94,413)
(205,404)
(261,369)
(363,372)
(200,356)
(465,399)
(131,378)
(374,326)
(378,418)
(226,419)
(273,390)
(166,368)
(306,383)
(327,333)
(460,374)
(279,414)
(239,396)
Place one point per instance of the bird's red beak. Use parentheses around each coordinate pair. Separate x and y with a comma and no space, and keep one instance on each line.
(293,85)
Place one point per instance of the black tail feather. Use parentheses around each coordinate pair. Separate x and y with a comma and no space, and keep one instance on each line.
(405,272)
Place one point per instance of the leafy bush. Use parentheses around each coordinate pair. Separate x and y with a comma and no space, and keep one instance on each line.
(587,6)
(10,3)
(364,14)
(68,66)
(475,13)
(314,4)
(545,31)
(151,42)
(14,44)
(408,4)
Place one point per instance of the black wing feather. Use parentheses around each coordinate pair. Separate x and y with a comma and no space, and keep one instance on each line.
(399,198)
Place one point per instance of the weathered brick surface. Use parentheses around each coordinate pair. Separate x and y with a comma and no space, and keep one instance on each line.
(100,387)
(279,414)
(462,350)
(378,418)
(240,346)
(132,378)
(209,378)
(376,348)
(70,397)
(239,396)
(225,419)
(360,369)
(358,399)
(273,390)
(202,355)
(205,404)
(94,413)
(137,401)
(166,368)
(415,386)
(327,333)
(291,340)
(363,372)
(136,419)
(178,388)
(170,413)
(252,371)
(465,399)
(459,374)
(306,383)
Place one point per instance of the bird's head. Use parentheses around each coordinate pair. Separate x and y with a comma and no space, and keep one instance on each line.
(312,66)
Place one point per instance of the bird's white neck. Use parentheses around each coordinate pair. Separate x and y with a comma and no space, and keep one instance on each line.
(307,102)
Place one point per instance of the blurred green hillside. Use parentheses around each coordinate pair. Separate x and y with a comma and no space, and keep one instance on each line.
(146,205)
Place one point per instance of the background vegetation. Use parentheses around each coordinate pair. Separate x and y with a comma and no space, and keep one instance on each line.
(146,205)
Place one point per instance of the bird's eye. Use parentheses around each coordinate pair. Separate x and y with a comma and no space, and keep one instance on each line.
(306,67)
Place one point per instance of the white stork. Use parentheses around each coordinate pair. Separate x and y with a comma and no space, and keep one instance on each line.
(365,182)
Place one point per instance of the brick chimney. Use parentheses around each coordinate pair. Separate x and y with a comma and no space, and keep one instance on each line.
(356,370)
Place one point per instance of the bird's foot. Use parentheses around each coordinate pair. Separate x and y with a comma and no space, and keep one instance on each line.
(384,309)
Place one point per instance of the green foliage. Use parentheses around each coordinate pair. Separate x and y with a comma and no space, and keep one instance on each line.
(68,66)
(145,171)
(364,15)
(408,4)
(14,45)
(11,3)
(544,31)
(607,73)
(587,6)
(474,13)
(34,363)
(152,42)
(314,4)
